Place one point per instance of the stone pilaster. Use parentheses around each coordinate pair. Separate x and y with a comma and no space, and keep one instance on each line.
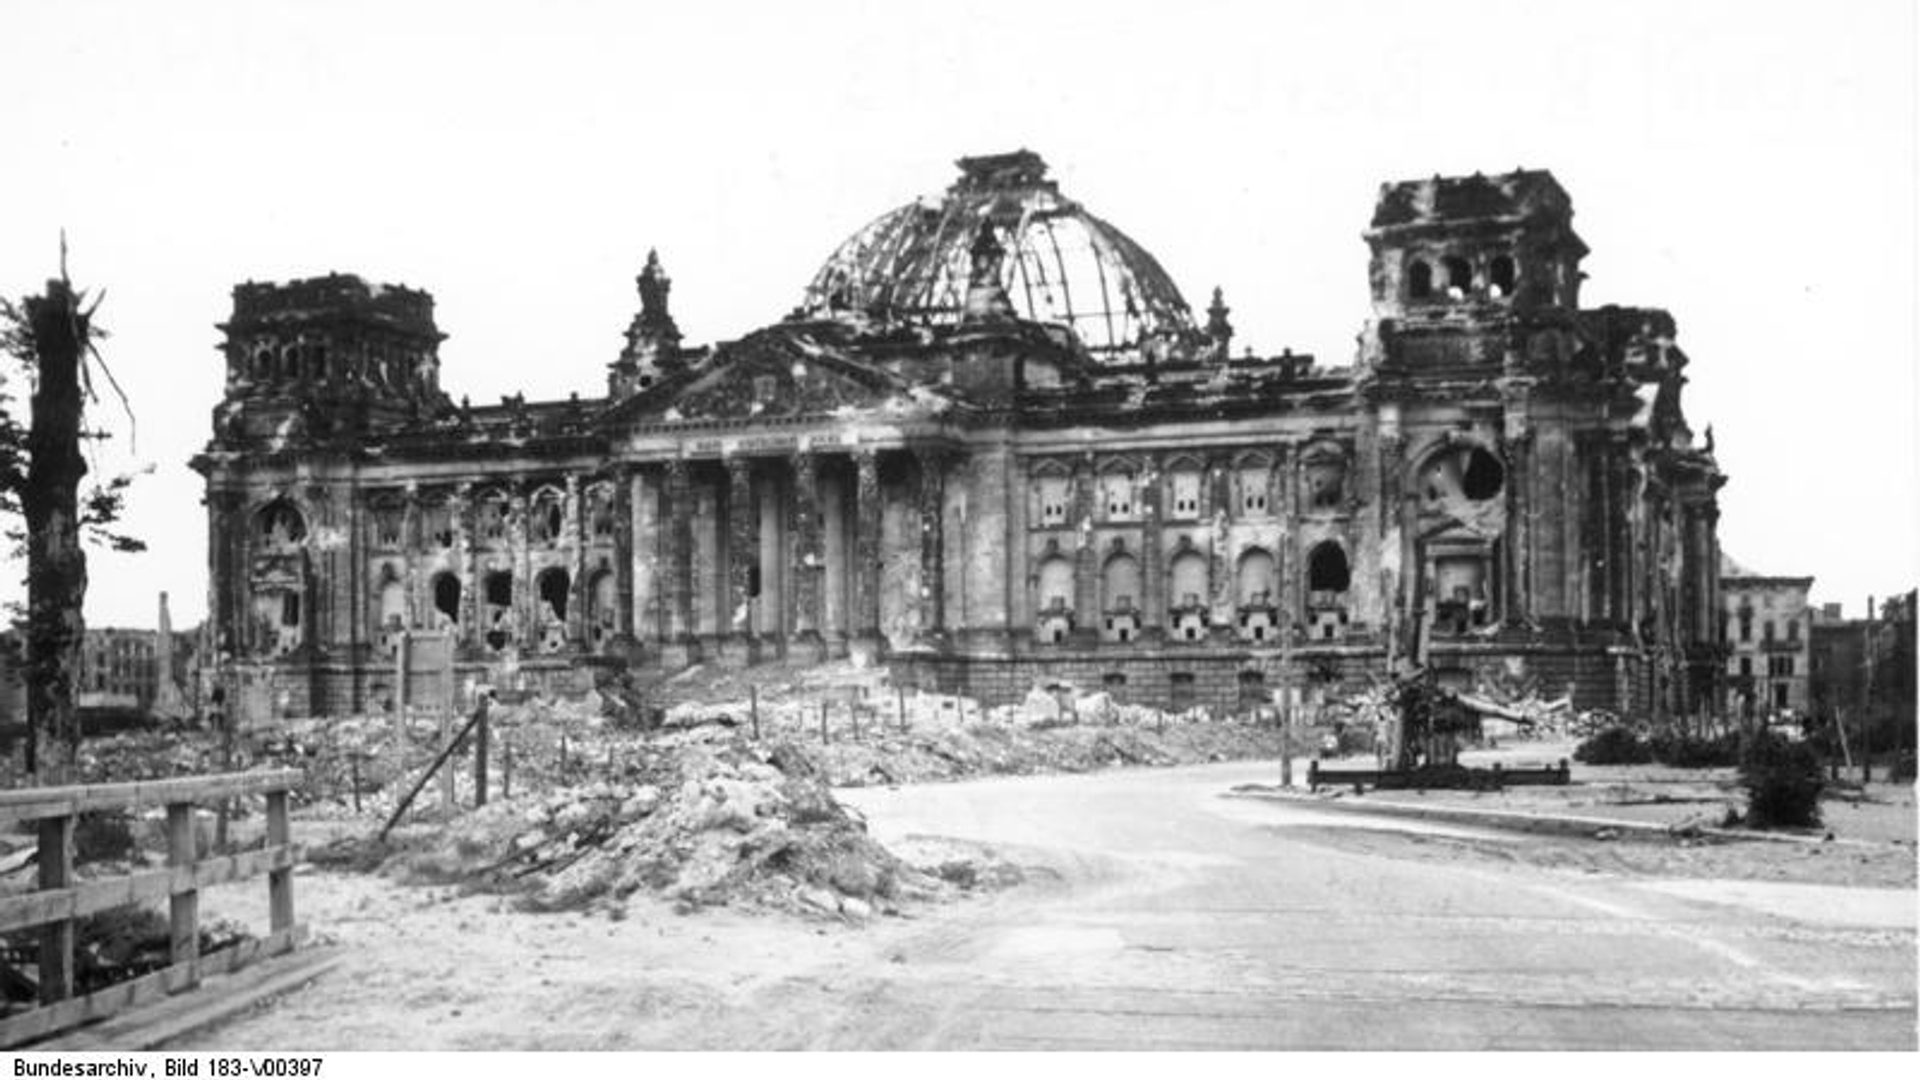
(866,552)
(1086,572)
(418,602)
(743,551)
(1517,578)
(1620,558)
(1291,569)
(624,643)
(519,547)
(460,509)
(676,632)
(1153,568)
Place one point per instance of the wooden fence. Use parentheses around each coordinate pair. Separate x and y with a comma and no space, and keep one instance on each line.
(61,899)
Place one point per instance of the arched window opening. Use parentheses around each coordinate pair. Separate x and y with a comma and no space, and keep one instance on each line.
(388,520)
(549,517)
(493,518)
(1120,592)
(1327,570)
(1500,276)
(1419,280)
(437,523)
(1256,577)
(1459,277)
(1253,491)
(1326,483)
(600,608)
(1054,601)
(393,606)
(552,587)
(446,599)
(1186,494)
(1255,618)
(1116,494)
(1462,473)
(281,524)
(601,517)
(497,589)
(1187,596)
(1483,477)
(1050,492)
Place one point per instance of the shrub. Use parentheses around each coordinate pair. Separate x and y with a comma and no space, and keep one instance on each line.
(103,834)
(1613,746)
(1783,782)
(1692,752)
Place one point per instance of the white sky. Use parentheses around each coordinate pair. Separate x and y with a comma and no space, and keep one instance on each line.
(1749,166)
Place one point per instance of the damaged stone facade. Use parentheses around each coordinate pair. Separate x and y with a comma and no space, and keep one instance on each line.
(994,448)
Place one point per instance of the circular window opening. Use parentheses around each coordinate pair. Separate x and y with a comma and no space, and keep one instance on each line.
(1483,477)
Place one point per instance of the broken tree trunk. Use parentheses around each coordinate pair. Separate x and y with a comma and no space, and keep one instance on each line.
(56,566)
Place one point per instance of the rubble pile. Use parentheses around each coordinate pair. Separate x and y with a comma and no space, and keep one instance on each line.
(702,819)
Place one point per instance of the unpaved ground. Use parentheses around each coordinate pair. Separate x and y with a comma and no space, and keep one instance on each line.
(1155,914)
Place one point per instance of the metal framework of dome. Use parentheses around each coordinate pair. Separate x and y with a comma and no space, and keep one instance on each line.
(1060,264)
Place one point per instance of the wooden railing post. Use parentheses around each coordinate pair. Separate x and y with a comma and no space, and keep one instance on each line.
(183,904)
(480,755)
(280,881)
(56,941)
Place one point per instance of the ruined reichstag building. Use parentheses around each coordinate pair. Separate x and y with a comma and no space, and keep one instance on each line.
(994,447)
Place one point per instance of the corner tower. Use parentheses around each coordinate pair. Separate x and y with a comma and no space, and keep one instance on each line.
(327,358)
(1457,259)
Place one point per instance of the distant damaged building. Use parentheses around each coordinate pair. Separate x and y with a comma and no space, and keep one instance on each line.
(994,447)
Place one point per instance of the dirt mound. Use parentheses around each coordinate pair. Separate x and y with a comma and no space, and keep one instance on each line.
(702,821)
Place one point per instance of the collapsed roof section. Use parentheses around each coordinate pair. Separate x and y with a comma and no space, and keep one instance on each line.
(1004,223)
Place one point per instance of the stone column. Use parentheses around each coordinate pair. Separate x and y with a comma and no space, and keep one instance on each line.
(1153,568)
(743,552)
(676,632)
(460,509)
(808,562)
(866,553)
(573,540)
(624,641)
(933,584)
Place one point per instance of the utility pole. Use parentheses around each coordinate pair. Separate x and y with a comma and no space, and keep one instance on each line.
(1286,686)
(1866,700)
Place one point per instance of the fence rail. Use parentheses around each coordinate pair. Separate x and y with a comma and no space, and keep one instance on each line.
(60,900)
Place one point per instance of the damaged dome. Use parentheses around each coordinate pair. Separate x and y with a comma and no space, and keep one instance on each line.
(1057,262)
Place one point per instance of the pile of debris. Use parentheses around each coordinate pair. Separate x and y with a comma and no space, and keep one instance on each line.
(702,818)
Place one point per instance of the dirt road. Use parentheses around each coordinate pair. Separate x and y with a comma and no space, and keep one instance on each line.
(1157,915)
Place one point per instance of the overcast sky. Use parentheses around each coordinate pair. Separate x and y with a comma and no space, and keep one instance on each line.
(1749,166)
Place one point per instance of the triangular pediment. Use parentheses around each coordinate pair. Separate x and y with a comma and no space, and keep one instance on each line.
(779,372)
